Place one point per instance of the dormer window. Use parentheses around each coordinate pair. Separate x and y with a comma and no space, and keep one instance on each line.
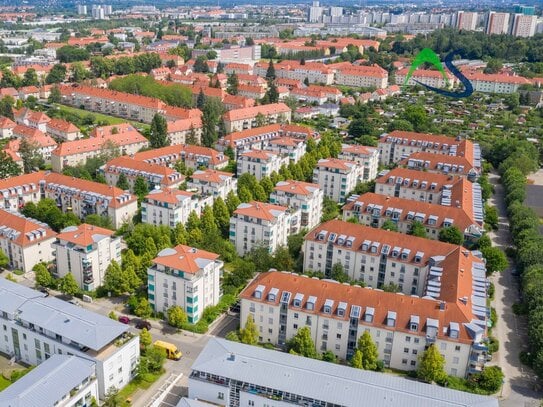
(341,309)
(311,301)
(259,291)
(414,323)
(272,295)
(328,304)
(298,298)
(368,316)
(454,330)
(418,257)
(391,318)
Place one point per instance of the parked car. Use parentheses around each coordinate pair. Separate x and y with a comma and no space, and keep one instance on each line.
(143,324)
(124,319)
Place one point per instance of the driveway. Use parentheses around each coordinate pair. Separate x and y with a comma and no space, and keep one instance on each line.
(511,330)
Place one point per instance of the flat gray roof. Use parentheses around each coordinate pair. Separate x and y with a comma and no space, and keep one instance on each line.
(85,327)
(46,384)
(186,402)
(325,381)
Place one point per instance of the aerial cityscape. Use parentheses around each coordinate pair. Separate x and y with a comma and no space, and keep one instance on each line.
(319,204)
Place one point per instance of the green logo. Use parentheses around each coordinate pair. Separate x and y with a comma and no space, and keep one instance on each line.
(424,56)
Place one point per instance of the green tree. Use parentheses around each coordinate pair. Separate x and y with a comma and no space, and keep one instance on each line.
(143,309)
(55,96)
(68,285)
(232,84)
(245,194)
(356,360)
(42,275)
(30,78)
(158,135)
(249,334)
(417,229)
(57,74)
(200,65)
(302,344)
(122,182)
(389,225)
(496,260)
(432,366)
(177,317)
(232,202)
(270,72)
(4,259)
(222,215)
(119,280)
(145,338)
(451,234)
(31,155)
(417,116)
(112,315)
(338,273)
(490,379)
(112,398)
(211,114)
(368,349)
(201,100)
(140,187)
(78,72)
(360,127)
(272,94)
(8,167)
(6,107)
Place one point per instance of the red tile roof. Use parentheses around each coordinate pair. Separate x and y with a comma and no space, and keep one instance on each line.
(84,234)
(28,229)
(260,210)
(363,70)
(168,195)
(296,187)
(184,258)
(213,176)
(62,126)
(252,112)
(259,154)
(336,163)
(7,123)
(175,153)
(126,162)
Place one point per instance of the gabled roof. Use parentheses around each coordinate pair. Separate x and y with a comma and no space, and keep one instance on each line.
(252,112)
(296,187)
(259,154)
(62,126)
(213,176)
(169,195)
(23,231)
(260,210)
(336,164)
(185,258)
(84,234)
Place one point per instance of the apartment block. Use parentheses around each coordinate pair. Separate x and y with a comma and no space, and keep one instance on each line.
(187,277)
(213,182)
(246,118)
(302,196)
(443,164)
(25,241)
(156,176)
(497,23)
(182,130)
(172,206)
(362,76)
(192,156)
(496,83)
(31,118)
(366,157)
(290,147)
(258,223)
(466,20)
(337,178)
(61,380)
(315,72)
(62,130)
(37,327)
(426,77)
(45,144)
(401,326)
(524,25)
(85,251)
(6,127)
(373,210)
(260,163)
(233,374)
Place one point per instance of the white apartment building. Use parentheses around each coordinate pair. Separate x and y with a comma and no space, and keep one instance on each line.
(37,327)
(426,77)
(337,178)
(366,157)
(187,277)
(259,223)
(192,156)
(85,251)
(466,20)
(496,83)
(25,241)
(497,23)
(304,197)
(6,127)
(442,164)
(401,326)
(61,380)
(315,72)
(62,130)
(172,206)
(524,25)
(290,147)
(260,163)
(180,130)
(246,118)
(213,182)
(362,76)
(232,374)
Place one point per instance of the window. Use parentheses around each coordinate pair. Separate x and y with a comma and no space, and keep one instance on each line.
(414,352)
(456,360)
(338,336)
(454,372)
(338,346)
(405,350)
(443,346)
(295,326)
(408,339)
(251,403)
(404,361)
(457,348)
(220,396)
(413,362)
(295,315)
(416,340)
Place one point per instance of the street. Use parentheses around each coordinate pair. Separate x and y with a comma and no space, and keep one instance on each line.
(511,330)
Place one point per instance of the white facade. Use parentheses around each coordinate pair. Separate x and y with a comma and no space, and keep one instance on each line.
(366,157)
(305,197)
(260,163)
(213,182)
(258,223)
(524,25)
(85,251)
(337,178)
(289,147)
(187,277)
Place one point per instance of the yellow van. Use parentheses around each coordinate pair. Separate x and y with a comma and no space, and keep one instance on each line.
(171,350)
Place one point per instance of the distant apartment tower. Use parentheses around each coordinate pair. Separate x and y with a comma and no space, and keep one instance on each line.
(526,10)
(98,12)
(315,12)
(336,11)
(466,20)
(497,23)
(524,25)
(81,9)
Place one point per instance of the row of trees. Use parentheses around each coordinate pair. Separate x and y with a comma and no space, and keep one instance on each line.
(103,67)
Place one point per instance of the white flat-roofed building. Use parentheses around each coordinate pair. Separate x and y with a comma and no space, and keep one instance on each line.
(187,277)
(337,178)
(213,182)
(85,251)
(25,241)
(232,374)
(40,327)
(367,157)
(260,163)
(302,196)
(258,223)
(171,206)
(62,380)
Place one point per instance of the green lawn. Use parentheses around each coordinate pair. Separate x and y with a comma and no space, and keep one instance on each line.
(136,384)
(4,382)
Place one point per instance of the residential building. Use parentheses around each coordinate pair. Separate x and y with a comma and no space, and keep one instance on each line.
(366,157)
(238,69)
(293,148)
(247,118)
(315,13)
(187,277)
(25,241)
(6,127)
(40,327)
(337,178)
(314,72)
(62,130)
(443,164)
(302,196)
(213,182)
(45,144)
(466,20)
(192,156)
(252,92)
(401,326)
(31,118)
(123,137)
(260,163)
(156,176)
(258,223)
(374,210)
(85,252)
(497,23)
(496,83)
(182,131)
(171,206)
(232,374)
(524,25)
(255,138)
(426,77)
(61,380)
(362,76)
